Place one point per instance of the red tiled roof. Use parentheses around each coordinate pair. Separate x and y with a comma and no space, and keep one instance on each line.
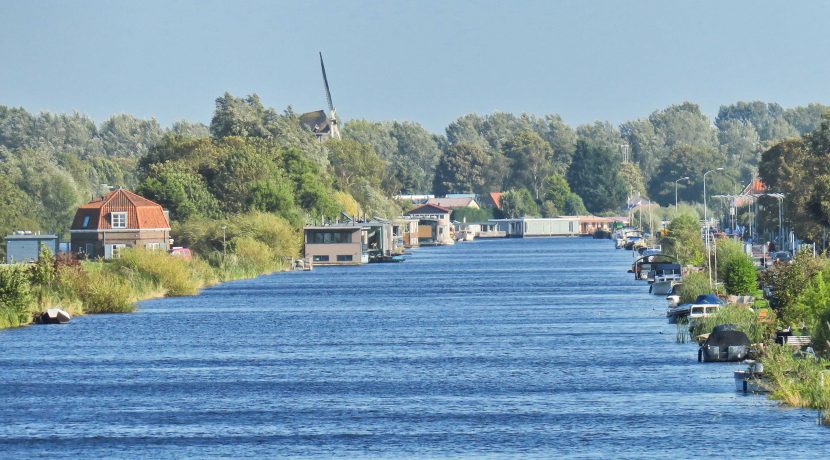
(496,197)
(141,212)
(429,209)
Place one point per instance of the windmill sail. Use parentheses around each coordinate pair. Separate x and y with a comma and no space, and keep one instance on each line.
(335,130)
(326,83)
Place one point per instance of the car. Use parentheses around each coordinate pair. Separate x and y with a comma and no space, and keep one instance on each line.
(781,256)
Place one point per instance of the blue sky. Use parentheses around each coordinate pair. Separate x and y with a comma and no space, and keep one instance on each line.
(425,61)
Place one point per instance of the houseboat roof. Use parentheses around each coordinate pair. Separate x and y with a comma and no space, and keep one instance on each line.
(453,202)
(429,209)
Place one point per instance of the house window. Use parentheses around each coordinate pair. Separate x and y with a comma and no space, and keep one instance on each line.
(320,258)
(153,246)
(90,249)
(119,220)
(343,258)
(116,251)
(85,224)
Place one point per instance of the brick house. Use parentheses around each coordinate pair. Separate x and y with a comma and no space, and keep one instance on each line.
(117,220)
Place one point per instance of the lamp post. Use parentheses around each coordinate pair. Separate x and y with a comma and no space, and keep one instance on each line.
(675,191)
(224,227)
(706,223)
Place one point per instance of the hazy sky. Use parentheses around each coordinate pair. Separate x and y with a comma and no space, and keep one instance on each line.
(426,61)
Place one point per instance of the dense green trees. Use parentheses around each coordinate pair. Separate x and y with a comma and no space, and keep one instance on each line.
(800,169)
(595,175)
(462,169)
(683,240)
(518,203)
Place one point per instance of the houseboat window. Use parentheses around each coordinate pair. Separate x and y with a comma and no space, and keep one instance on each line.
(330,237)
(342,258)
(119,220)
(320,258)
(85,224)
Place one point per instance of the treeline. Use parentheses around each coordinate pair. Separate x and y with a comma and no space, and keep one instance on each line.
(503,151)
(252,158)
(800,169)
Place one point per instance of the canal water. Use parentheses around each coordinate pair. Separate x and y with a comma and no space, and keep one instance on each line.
(504,348)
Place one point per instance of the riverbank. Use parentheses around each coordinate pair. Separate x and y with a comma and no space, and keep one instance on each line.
(115,286)
(798,376)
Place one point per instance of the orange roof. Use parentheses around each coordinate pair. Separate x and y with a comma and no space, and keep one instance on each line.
(141,212)
(496,197)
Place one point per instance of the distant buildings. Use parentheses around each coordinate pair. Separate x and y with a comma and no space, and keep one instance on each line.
(434,226)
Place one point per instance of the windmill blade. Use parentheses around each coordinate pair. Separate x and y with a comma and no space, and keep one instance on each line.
(326,83)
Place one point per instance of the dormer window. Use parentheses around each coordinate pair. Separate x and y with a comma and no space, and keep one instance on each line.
(119,220)
(85,224)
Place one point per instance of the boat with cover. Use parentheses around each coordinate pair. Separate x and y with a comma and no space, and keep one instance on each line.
(725,344)
(705,305)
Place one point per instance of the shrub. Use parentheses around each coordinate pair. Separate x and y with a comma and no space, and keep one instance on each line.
(740,277)
(15,296)
(694,284)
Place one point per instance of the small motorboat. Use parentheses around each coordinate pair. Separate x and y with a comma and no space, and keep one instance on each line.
(53,316)
(725,344)
(751,380)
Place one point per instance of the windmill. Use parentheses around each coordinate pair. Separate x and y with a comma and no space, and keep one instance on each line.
(322,125)
(335,130)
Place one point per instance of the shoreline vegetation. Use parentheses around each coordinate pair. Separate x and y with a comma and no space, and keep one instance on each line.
(263,244)
(798,302)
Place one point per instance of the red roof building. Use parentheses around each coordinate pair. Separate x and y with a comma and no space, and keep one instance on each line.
(116,220)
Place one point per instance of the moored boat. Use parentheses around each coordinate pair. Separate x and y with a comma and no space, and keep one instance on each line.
(53,316)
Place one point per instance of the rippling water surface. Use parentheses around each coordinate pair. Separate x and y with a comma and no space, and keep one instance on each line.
(505,348)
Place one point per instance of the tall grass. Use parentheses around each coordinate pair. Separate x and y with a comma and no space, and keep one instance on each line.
(795,379)
(157,272)
(96,288)
(745,318)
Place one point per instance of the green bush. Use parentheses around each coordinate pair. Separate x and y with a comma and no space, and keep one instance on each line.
(15,296)
(694,284)
(740,277)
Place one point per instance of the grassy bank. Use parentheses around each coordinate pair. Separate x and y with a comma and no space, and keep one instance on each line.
(245,248)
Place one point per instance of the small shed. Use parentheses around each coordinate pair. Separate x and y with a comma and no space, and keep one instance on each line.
(24,246)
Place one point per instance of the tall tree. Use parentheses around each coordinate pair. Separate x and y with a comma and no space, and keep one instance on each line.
(462,169)
(530,157)
(595,176)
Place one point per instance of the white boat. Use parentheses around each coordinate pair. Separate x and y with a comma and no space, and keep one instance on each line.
(751,379)
(663,284)
(704,306)
(53,316)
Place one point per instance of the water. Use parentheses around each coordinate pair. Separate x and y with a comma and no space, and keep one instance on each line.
(503,348)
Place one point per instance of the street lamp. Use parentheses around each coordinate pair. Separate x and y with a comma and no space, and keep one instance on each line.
(675,191)
(224,227)
(706,223)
